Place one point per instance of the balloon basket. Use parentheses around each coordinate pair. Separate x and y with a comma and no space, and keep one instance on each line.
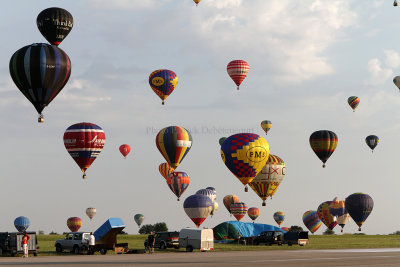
(359,229)
(246,189)
(162,103)
(41,118)
(264,204)
(84,176)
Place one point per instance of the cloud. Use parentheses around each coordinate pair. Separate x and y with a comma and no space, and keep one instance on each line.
(378,74)
(124,4)
(392,58)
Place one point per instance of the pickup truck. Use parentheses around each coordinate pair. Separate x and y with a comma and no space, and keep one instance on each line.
(278,237)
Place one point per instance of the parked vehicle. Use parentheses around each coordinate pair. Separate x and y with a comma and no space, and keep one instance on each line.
(164,240)
(10,243)
(293,238)
(77,242)
(277,237)
(202,239)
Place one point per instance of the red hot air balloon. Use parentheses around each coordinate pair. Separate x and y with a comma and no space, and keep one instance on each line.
(84,142)
(74,223)
(198,207)
(239,210)
(237,70)
(124,149)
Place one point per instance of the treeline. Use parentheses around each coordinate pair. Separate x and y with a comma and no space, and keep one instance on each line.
(158,227)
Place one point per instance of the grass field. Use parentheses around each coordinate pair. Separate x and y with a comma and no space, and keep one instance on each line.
(46,243)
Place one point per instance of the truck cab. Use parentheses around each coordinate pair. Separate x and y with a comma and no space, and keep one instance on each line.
(76,242)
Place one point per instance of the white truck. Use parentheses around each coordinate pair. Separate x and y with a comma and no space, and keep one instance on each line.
(202,239)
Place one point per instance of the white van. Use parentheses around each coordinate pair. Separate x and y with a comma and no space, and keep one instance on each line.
(196,239)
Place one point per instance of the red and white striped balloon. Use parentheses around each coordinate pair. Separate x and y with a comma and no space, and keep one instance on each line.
(238,70)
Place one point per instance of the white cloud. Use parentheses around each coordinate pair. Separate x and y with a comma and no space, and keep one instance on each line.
(125,4)
(392,58)
(378,75)
(223,3)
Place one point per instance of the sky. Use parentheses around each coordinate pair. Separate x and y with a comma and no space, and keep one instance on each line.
(306,58)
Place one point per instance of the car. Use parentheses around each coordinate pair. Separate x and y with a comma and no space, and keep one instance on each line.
(76,242)
(164,240)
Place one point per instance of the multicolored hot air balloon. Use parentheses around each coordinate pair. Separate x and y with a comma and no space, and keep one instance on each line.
(21,223)
(279,217)
(40,71)
(197,2)
(214,208)
(125,149)
(90,212)
(163,82)
(372,141)
(54,24)
(396,81)
(342,220)
(238,70)
(266,126)
(208,192)
(221,140)
(324,214)
(213,189)
(338,209)
(178,182)
(359,206)
(311,220)
(74,223)
(229,200)
(245,154)
(269,178)
(84,142)
(174,143)
(323,143)
(353,102)
(139,218)
(165,170)
(238,210)
(198,207)
(253,213)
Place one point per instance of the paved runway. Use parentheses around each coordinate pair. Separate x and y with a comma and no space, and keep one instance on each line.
(343,257)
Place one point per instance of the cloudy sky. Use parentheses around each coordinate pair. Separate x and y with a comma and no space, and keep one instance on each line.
(306,58)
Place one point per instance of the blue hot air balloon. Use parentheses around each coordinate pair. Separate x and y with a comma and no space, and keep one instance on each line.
(21,223)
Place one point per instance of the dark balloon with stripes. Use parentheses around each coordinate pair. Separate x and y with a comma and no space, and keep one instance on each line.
(323,143)
(54,24)
(359,206)
(40,71)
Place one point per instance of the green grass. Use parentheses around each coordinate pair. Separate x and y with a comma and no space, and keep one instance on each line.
(46,243)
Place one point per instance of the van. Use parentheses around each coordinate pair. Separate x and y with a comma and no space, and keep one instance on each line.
(202,239)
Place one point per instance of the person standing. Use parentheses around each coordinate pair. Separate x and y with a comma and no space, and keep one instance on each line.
(92,241)
(150,242)
(24,243)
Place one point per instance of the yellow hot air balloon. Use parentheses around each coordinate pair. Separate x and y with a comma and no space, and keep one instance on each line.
(196,1)
(266,125)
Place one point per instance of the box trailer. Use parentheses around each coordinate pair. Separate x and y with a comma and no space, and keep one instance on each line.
(202,239)
(10,243)
(106,236)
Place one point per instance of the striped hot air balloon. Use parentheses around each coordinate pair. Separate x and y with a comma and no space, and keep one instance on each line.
(40,71)
(253,213)
(353,102)
(198,207)
(311,220)
(84,142)
(125,149)
(54,24)
(324,214)
(323,143)
(229,200)
(21,223)
(91,212)
(174,143)
(163,82)
(208,192)
(74,223)
(238,210)
(178,182)
(245,154)
(359,206)
(266,126)
(165,170)
(279,217)
(238,70)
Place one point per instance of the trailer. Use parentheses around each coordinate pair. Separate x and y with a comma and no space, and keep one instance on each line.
(10,243)
(106,237)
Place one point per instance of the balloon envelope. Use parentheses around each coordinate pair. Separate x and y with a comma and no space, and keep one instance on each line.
(359,206)
(174,143)
(325,215)
(372,141)
(207,192)
(238,70)
(165,170)
(279,217)
(266,126)
(54,24)
(311,220)
(84,141)
(253,213)
(138,219)
(74,223)
(163,82)
(90,212)
(396,81)
(214,208)
(125,149)
(337,208)
(198,207)
(21,223)
(323,143)
(221,140)
(353,102)
(178,182)
(238,210)
(229,200)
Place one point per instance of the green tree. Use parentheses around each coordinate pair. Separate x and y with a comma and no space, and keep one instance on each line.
(53,233)
(296,228)
(328,232)
(160,227)
(146,229)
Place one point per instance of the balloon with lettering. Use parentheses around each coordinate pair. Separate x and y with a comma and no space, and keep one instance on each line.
(269,178)
(198,207)
(279,217)
(84,141)
(229,200)
(178,182)
(125,149)
(74,223)
(372,141)
(165,170)
(238,210)
(353,102)
(174,143)
(323,143)
(54,24)
(40,71)
(245,154)
(163,82)
(359,206)
(266,126)
(238,70)
(311,220)
(21,223)
(325,215)
(139,218)
(90,212)
(253,213)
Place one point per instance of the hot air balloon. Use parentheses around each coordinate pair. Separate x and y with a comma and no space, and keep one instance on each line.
(54,24)
(174,143)
(74,223)
(266,125)
(238,210)
(21,223)
(342,220)
(353,102)
(214,208)
(40,71)
(124,149)
(138,219)
(396,81)
(196,1)
(90,212)
(245,154)
(178,182)
(237,70)
(372,141)
(359,206)
(229,200)
(311,220)
(395,3)
(84,142)
(323,143)
(269,178)
(337,208)
(163,83)
(221,140)
(279,217)
(213,189)
(207,192)
(253,213)
(325,215)
(198,207)
(165,170)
